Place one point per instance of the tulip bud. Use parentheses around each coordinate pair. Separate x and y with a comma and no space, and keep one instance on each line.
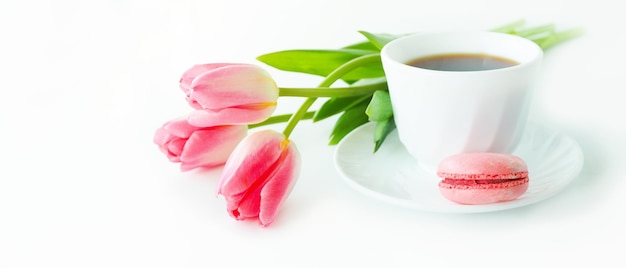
(196,147)
(228,94)
(259,175)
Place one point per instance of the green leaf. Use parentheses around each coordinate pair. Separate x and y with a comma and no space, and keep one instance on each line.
(509,27)
(379,108)
(379,40)
(558,37)
(537,30)
(322,62)
(348,121)
(382,130)
(334,106)
(367,45)
(380,111)
(370,81)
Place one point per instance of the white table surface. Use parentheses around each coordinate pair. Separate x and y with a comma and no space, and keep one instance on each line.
(84,85)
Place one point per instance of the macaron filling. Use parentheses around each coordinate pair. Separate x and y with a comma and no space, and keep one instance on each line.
(487,184)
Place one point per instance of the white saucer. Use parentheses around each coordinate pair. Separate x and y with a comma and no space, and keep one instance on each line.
(392,175)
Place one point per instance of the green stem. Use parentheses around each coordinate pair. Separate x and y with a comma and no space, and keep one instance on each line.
(293,121)
(338,92)
(328,81)
(280,119)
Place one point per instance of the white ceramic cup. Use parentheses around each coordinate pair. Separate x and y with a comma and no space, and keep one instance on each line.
(440,113)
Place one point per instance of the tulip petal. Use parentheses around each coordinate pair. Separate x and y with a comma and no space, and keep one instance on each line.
(249,205)
(179,128)
(232,86)
(211,146)
(175,149)
(279,186)
(188,76)
(251,158)
(161,137)
(230,116)
(193,103)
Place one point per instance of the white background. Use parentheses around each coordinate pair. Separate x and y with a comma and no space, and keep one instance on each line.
(84,85)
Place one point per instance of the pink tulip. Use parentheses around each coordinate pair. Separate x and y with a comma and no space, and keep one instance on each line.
(259,175)
(228,94)
(198,147)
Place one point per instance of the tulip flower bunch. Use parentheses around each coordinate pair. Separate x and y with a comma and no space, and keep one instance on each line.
(229,99)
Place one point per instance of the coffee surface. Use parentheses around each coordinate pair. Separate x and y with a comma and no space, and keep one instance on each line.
(462,62)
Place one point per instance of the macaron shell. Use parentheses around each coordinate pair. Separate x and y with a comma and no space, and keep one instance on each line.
(481,196)
(474,166)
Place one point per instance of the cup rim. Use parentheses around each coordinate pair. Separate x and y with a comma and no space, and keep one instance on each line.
(537,52)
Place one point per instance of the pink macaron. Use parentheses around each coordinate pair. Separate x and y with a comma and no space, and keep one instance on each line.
(482,178)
